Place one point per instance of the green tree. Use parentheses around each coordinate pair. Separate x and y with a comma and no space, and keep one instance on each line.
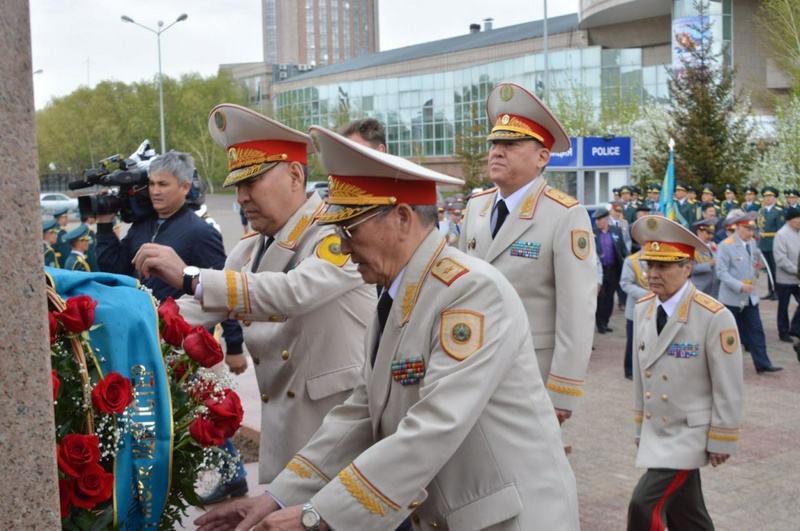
(779,23)
(710,123)
(471,149)
(77,130)
(780,165)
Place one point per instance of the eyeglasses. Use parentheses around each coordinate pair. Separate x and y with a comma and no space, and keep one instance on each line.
(345,232)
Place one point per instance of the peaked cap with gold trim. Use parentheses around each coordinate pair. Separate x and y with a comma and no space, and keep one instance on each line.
(516,113)
(255,143)
(664,240)
(362,178)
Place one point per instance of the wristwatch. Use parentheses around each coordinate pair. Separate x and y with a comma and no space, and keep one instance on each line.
(310,518)
(189,274)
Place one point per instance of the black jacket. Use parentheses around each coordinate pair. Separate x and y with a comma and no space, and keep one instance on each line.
(195,241)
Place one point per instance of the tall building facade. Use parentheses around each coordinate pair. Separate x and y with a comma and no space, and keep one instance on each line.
(315,33)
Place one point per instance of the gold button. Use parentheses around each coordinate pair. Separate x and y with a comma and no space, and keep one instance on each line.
(256,360)
(290,394)
(648,374)
(647,415)
(434,525)
(265,398)
(274,318)
(647,394)
(285,354)
(413,505)
(247,323)
(665,418)
(664,398)
(415,518)
(664,377)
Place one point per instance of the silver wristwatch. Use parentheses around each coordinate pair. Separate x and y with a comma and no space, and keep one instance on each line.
(310,518)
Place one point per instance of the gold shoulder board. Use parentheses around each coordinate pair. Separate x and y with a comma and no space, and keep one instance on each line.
(560,197)
(646,298)
(707,302)
(250,234)
(448,270)
(728,241)
(330,250)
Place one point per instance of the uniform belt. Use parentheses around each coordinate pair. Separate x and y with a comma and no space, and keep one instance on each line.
(768,234)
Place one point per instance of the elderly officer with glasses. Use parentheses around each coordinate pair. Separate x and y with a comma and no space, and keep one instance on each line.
(303,305)
(451,423)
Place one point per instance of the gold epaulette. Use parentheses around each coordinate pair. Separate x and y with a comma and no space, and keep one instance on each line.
(483,192)
(250,234)
(646,298)
(728,241)
(707,302)
(560,197)
(448,270)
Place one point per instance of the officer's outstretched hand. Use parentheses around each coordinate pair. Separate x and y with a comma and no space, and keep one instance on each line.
(286,520)
(239,515)
(154,260)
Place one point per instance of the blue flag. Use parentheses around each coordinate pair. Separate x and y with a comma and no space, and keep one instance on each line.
(667,201)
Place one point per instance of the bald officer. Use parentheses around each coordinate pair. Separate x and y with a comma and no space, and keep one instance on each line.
(687,380)
(451,422)
(302,302)
(538,237)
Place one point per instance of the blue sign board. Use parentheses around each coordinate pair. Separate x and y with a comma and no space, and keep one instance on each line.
(601,152)
(567,159)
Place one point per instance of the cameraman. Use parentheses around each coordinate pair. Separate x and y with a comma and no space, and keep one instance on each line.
(173,224)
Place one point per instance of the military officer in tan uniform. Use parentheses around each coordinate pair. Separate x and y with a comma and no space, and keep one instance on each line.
(687,379)
(451,423)
(303,304)
(538,237)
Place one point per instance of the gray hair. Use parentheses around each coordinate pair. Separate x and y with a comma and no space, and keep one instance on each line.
(179,165)
(428,214)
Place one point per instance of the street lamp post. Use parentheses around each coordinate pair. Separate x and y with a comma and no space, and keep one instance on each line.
(158,33)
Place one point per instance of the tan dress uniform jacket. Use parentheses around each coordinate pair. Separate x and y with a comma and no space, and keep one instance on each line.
(687,383)
(545,249)
(474,444)
(308,348)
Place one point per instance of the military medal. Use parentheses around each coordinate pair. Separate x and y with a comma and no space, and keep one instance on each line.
(471,244)
(408,371)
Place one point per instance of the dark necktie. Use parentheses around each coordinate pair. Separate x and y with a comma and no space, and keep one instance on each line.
(661,319)
(384,307)
(260,254)
(502,212)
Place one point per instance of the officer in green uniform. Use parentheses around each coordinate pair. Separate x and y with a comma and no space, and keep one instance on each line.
(709,195)
(791,195)
(61,246)
(770,218)
(629,212)
(49,237)
(91,254)
(654,197)
(79,240)
(730,200)
(685,206)
(751,202)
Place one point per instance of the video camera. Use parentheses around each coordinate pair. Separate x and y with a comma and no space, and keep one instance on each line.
(131,199)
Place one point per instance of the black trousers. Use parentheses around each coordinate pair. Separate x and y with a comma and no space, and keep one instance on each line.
(666,498)
(628,366)
(785,294)
(605,299)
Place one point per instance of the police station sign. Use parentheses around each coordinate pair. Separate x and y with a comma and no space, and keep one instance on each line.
(567,159)
(606,153)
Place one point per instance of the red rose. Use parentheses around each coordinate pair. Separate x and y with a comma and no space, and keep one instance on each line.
(76,452)
(168,307)
(64,495)
(179,370)
(51,317)
(175,329)
(56,384)
(78,316)
(93,487)
(226,413)
(112,394)
(202,347)
(205,432)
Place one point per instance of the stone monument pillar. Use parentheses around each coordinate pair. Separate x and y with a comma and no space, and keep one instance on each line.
(29,487)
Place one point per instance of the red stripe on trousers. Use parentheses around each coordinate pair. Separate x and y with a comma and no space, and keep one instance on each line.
(656,524)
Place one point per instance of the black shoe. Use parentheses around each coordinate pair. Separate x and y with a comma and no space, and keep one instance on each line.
(786,339)
(609,329)
(223,491)
(629,377)
(797,350)
(771,368)
(601,329)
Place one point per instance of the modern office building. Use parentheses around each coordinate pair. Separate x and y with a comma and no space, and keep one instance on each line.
(612,51)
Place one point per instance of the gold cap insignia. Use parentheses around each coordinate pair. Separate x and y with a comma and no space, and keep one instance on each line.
(652,224)
(505,119)
(506,92)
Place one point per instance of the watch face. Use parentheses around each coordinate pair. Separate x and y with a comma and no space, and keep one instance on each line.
(191,271)
(310,518)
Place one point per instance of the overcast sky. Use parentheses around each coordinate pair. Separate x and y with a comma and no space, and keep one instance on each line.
(83,42)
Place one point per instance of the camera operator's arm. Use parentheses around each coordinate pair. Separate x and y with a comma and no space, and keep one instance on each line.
(113,255)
